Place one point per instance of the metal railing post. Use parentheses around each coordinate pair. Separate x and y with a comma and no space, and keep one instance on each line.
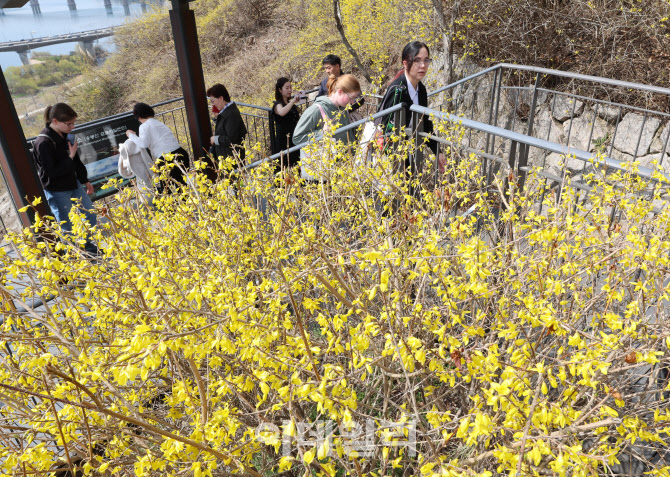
(523,157)
(490,139)
(272,132)
(416,158)
(512,161)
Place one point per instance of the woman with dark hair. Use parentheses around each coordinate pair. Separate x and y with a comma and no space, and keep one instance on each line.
(61,172)
(286,116)
(229,130)
(407,88)
(161,142)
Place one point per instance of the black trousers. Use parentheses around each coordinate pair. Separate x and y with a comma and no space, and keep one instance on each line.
(176,174)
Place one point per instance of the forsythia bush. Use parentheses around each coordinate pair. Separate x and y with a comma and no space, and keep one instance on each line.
(364,326)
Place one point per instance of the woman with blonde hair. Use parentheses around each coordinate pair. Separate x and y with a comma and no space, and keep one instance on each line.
(327,111)
(342,92)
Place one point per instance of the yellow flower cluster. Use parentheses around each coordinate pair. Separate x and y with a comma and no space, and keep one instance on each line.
(357,326)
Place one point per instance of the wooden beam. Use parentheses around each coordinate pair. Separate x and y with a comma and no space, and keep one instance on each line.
(186,44)
(16,161)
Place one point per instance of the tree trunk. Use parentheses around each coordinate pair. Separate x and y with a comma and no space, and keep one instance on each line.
(340,28)
(447,25)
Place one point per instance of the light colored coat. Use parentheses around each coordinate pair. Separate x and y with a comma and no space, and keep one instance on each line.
(134,161)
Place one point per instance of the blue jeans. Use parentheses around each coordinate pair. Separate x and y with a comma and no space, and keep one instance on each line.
(60,203)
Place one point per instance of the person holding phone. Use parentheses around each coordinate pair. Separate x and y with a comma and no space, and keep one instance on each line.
(61,172)
(286,116)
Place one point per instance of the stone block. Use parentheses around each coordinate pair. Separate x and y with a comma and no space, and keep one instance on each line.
(519,126)
(661,140)
(609,113)
(464,103)
(631,130)
(586,126)
(648,161)
(546,128)
(526,96)
(505,113)
(565,107)
(8,214)
(558,162)
(619,156)
(519,101)
(482,99)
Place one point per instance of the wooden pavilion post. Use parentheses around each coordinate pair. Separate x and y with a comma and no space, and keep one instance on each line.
(185,36)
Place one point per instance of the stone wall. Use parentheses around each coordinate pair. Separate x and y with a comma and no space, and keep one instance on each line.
(10,218)
(622,133)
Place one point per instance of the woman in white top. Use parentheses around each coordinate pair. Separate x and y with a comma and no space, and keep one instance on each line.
(159,139)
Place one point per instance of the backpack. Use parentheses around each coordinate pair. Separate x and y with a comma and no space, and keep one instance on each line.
(34,150)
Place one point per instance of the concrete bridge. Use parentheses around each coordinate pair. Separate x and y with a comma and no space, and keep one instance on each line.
(84,38)
(72,6)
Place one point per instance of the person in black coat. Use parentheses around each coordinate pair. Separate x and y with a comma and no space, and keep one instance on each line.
(62,174)
(286,115)
(407,88)
(229,130)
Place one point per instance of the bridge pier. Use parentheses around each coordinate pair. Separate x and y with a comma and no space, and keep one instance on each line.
(108,7)
(143,3)
(25,57)
(35,5)
(87,49)
(72,6)
(126,7)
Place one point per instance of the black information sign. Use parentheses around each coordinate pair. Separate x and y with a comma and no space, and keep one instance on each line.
(98,146)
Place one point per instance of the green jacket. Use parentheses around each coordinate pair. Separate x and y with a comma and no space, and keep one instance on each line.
(311,123)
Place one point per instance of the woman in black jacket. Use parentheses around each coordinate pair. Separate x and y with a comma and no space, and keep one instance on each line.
(229,131)
(408,89)
(286,115)
(61,172)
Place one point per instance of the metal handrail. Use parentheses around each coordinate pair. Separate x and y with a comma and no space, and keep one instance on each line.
(579,76)
(245,105)
(163,103)
(338,131)
(564,74)
(531,141)
(113,117)
(464,80)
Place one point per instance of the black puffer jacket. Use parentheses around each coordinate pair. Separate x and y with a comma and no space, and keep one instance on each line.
(56,169)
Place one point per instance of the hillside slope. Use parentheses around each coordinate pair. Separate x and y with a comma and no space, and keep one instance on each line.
(247,44)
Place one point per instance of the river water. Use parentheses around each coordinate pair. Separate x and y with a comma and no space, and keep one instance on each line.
(56,19)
